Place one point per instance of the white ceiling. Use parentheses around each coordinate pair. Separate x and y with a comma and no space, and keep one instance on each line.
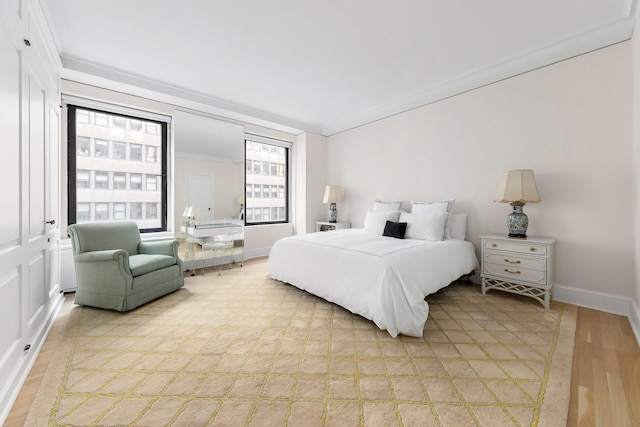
(324,65)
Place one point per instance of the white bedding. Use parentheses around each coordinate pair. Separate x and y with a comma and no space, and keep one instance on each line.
(380,278)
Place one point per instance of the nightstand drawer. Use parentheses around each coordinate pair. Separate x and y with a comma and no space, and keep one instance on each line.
(523,247)
(515,273)
(509,259)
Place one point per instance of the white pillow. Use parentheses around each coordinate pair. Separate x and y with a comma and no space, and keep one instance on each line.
(379,205)
(456,227)
(375,221)
(424,226)
(432,207)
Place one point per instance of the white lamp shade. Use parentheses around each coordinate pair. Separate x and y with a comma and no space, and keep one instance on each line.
(191,212)
(332,194)
(517,186)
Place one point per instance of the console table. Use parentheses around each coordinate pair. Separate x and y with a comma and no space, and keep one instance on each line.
(219,236)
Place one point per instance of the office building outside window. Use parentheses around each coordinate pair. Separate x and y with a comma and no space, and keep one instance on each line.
(267,186)
(117,168)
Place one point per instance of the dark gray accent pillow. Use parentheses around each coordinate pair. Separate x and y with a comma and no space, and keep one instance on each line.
(395,229)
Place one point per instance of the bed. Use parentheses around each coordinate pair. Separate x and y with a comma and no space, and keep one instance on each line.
(381,278)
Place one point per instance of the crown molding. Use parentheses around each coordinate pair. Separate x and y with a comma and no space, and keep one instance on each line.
(97,75)
(587,41)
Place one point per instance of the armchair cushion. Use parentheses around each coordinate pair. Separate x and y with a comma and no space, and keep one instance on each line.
(142,263)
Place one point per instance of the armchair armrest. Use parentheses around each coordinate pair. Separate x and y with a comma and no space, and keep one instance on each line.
(161,247)
(106,255)
(106,271)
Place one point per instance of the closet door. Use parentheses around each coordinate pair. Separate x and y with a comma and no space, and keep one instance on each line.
(11,177)
(29,175)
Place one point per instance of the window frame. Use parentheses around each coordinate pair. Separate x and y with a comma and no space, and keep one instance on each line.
(274,147)
(162,126)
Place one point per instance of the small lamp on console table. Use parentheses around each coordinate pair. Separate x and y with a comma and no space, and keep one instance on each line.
(332,195)
(191,212)
(517,187)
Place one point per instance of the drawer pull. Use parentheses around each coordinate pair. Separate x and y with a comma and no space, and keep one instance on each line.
(532,249)
(493,245)
(512,272)
(511,262)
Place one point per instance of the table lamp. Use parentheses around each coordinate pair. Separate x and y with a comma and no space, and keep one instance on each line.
(517,187)
(332,195)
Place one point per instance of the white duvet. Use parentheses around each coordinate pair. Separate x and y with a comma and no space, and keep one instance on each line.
(380,278)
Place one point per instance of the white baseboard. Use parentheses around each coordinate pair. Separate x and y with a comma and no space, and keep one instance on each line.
(608,303)
(634,319)
(257,252)
(601,301)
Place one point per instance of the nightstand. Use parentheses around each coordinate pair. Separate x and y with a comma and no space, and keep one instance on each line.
(327,226)
(519,266)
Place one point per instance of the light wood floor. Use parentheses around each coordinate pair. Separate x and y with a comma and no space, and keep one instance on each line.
(605,381)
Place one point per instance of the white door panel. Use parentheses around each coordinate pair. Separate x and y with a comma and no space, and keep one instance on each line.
(37,114)
(10,106)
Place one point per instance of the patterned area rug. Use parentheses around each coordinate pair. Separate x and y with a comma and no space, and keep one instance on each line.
(241,349)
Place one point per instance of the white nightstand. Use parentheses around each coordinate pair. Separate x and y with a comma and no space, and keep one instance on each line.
(327,226)
(520,266)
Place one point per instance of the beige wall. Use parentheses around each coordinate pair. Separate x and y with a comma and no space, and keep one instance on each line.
(570,122)
(310,179)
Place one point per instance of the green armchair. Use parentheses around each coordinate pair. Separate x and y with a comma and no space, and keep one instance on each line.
(117,271)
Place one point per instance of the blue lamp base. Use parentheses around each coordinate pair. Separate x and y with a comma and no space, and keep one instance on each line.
(333,213)
(517,221)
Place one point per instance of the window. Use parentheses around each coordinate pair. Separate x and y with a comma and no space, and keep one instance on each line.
(135,152)
(119,181)
(152,154)
(102,180)
(101,119)
(152,128)
(83,178)
(102,148)
(266,177)
(119,122)
(135,125)
(82,116)
(135,210)
(102,211)
(152,183)
(152,210)
(119,150)
(105,153)
(83,146)
(136,181)
(119,211)
(83,212)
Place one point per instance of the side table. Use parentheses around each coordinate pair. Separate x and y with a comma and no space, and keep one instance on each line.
(519,266)
(328,226)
